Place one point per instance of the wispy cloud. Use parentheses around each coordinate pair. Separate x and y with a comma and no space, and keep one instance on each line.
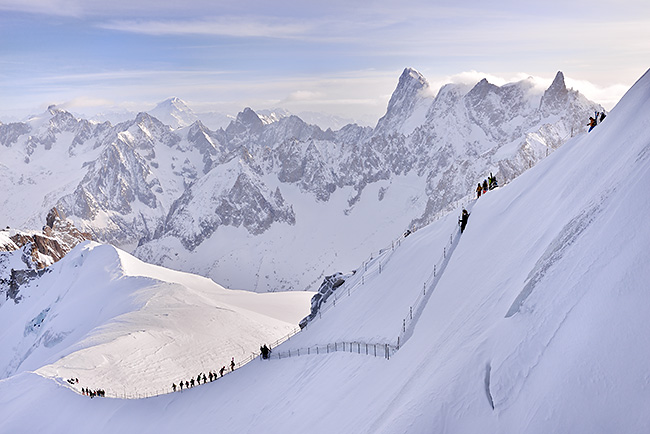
(304,95)
(70,8)
(222,26)
(83,102)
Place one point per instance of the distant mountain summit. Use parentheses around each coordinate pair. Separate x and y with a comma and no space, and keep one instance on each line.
(250,203)
(409,101)
(174,112)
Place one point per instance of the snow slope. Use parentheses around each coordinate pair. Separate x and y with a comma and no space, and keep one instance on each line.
(114,322)
(536,324)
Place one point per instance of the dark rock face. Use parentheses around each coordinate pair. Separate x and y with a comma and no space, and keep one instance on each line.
(556,97)
(9,133)
(327,288)
(37,252)
(18,278)
(58,238)
(247,203)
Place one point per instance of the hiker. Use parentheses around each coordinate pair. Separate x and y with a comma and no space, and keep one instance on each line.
(205,380)
(232,364)
(181,384)
(192,382)
(479,189)
(265,351)
(463,220)
(223,368)
(174,387)
(602,116)
(592,124)
(485,186)
(210,376)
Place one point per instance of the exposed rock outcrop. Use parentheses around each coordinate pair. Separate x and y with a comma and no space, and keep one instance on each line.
(25,256)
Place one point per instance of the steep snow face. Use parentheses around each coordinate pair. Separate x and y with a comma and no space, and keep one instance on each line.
(174,112)
(104,317)
(151,189)
(533,326)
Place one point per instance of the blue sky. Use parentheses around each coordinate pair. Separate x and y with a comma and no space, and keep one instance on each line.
(339,57)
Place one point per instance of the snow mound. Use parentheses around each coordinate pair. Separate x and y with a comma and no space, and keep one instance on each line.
(107,318)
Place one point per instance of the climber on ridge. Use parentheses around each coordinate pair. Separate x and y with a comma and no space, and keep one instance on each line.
(592,123)
(463,220)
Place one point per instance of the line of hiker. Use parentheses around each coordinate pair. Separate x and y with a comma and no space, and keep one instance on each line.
(597,118)
(265,351)
(490,183)
(212,376)
(93,393)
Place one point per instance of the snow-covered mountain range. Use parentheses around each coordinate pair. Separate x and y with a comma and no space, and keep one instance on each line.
(271,202)
(534,322)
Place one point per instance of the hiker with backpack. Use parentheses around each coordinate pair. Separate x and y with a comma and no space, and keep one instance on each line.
(462,221)
(592,124)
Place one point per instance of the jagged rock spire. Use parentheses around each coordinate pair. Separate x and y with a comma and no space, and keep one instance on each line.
(555,97)
(404,99)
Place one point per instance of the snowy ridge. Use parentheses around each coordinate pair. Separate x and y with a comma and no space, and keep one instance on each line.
(104,317)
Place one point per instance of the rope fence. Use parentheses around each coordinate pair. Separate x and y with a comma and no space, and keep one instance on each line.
(369,349)
(416,308)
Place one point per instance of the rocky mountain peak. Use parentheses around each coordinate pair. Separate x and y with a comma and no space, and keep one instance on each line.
(247,122)
(555,98)
(53,109)
(36,251)
(146,119)
(58,237)
(558,84)
(410,83)
(404,100)
(481,89)
(174,112)
(52,217)
(249,118)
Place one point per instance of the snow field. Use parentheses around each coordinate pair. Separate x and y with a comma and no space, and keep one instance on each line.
(131,328)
